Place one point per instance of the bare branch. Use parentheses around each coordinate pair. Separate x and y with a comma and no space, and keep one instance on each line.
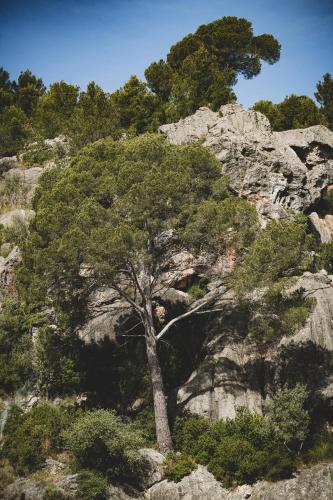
(182,316)
(129,299)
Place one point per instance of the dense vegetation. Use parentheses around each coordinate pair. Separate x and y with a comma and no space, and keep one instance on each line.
(119,190)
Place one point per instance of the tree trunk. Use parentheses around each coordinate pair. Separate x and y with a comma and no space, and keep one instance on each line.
(163,434)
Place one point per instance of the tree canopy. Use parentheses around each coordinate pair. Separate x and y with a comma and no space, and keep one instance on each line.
(202,68)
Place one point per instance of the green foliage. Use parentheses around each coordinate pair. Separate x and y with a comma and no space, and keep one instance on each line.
(14,130)
(92,485)
(280,250)
(55,108)
(236,451)
(99,440)
(56,362)
(287,414)
(178,465)
(29,438)
(293,112)
(198,289)
(15,346)
(221,224)
(320,448)
(202,67)
(325,257)
(278,312)
(28,91)
(139,109)
(38,153)
(95,117)
(324,96)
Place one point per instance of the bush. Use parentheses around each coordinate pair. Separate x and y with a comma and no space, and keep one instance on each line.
(100,440)
(288,416)
(92,485)
(321,448)
(29,438)
(236,451)
(13,190)
(178,465)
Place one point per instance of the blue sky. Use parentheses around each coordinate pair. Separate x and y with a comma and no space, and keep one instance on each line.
(109,40)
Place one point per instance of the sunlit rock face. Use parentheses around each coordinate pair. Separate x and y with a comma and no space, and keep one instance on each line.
(275,170)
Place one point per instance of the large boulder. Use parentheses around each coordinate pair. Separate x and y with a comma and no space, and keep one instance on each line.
(308,484)
(8,219)
(199,485)
(275,170)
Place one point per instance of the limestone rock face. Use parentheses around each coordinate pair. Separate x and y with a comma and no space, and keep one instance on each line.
(309,484)
(235,372)
(152,470)
(28,176)
(7,270)
(323,226)
(275,170)
(199,485)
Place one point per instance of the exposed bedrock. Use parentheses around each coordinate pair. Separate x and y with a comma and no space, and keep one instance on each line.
(238,372)
(275,170)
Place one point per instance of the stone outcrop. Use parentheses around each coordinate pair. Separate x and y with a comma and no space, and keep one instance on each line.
(313,483)
(7,266)
(275,170)
(235,372)
(323,226)
(199,485)
(7,219)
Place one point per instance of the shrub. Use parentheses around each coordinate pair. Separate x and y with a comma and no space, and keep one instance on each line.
(29,438)
(13,190)
(239,450)
(178,465)
(288,417)
(321,448)
(100,440)
(92,485)
(325,257)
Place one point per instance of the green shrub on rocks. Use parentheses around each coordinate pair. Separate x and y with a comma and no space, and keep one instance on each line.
(31,437)
(92,485)
(99,440)
(178,465)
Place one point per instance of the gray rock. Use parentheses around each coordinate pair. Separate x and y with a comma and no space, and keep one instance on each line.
(29,176)
(53,466)
(275,170)
(234,371)
(7,219)
(323,226)
(152,470)
(7,266)
(313,483)
(6,163)
(309,484)
(24,489)
(67,484)
(199,485)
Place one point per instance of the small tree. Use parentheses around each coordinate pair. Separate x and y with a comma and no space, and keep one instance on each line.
(116,202)
(324,96)
(288,416)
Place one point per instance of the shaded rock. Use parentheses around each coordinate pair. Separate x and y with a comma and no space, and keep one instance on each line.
(318,328)
(309,484)
(286,169)
(106,312)
(7,266)
(24,489)
(67,484)
(152,470)
(6,163)
(199,485)
(122,493)
(235,372)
